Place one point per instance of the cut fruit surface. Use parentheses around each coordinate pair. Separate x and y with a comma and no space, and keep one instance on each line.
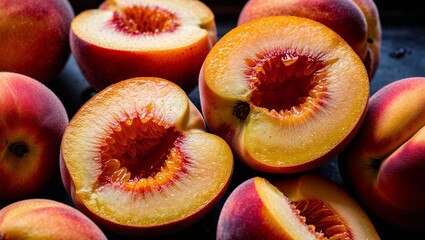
(258,210)
(136,156)
(161,38)
(285,92)
(144,25)
(328,207)
(299,207)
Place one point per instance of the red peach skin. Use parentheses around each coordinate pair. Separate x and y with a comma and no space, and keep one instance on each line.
(385,163)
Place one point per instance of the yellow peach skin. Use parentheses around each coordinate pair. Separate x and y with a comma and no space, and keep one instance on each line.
(385,163)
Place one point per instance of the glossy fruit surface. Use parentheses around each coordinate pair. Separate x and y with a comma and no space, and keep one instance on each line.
(287,93)
(136,159)
(144,38)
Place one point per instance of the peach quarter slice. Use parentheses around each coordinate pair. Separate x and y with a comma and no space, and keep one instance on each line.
(299,207)
(162,38)
(287,93)
(137,160)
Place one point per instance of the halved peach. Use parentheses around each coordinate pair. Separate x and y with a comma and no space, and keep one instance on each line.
(161,38)
(299,207)
(287,93)
(137,160)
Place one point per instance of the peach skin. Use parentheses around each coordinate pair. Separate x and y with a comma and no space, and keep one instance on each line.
(34,37)
(32,122)
(385,163)
(304,206)
(46,219)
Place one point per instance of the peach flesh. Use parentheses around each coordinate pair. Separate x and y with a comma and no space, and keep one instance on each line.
(357,21)
(258,210)
(150,152)
(144,20)
(121,40)
(287,91)
(153,143)
(289,71)
(323,217)
(299,207)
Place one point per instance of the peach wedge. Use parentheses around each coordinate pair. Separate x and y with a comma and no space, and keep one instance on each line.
(287,93)
(137,160)
(143,38)
(298,207)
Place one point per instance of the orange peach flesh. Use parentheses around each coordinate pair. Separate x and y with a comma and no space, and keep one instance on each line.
(256,209)
(294,89)
(327,207)
(149,152)
(343,16)
(303,207)
(357,21)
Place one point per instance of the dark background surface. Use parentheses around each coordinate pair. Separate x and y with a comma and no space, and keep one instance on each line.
(403,32)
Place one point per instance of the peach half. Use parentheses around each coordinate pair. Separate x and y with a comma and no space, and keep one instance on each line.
(299,207)
(46,219)
(356,21)
(137,160)
(143,38)
(287,93)
(384,165)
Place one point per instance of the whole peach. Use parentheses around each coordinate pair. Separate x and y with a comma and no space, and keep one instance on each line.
(32,122)
(46,219)
(385,163)
(34,37)
(356,21)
